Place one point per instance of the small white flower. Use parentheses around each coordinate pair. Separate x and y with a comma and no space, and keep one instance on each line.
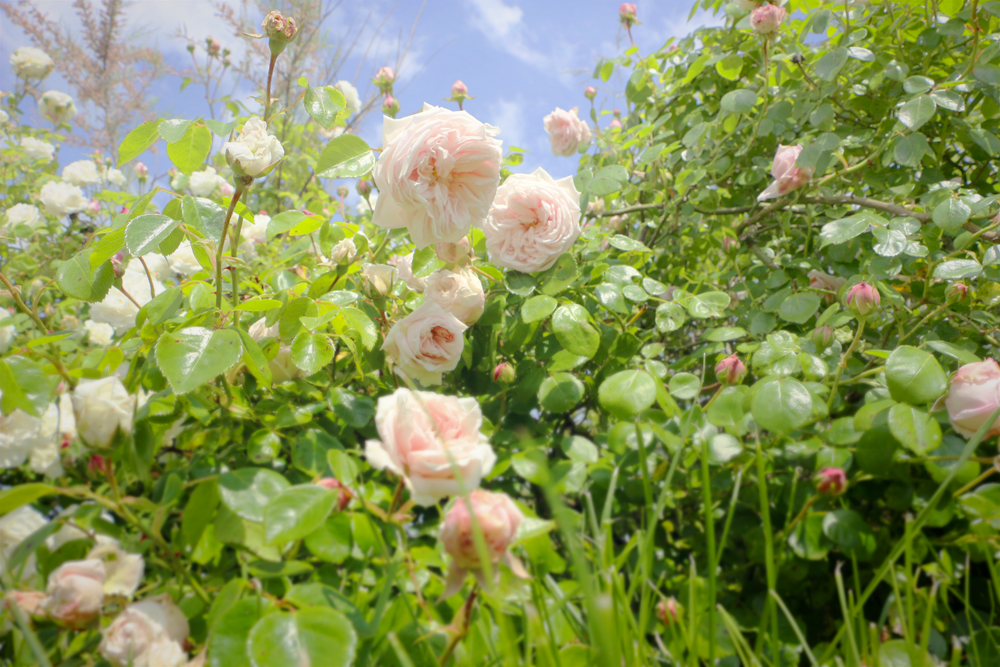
(36,149)
(4,117)
(81,172)
(351,96)
(57,107)
(344,252)
(183,260)
(31,63)
(118,310)
(61,199)
(14,528)
(203,183)
(254,151)
(115,177)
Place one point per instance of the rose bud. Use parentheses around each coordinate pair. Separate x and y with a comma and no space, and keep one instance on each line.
(344,494)
(342,191)
(459,91)
(617,113)
(364,187)
(956,292)
(280,30)
(141,171)
(213,47)
(94,207)
(730,370)
(390,107)
(730,245)
(830,481)
(766,19)
(504,373)
(862,299)
(667,611)
(590,93)
(384,79)
(378,278)
(973,396)
(822,337)
(344,252)
(498,519)
(615,124)
(787,176)
(75,592)
(627,14)
(453,253)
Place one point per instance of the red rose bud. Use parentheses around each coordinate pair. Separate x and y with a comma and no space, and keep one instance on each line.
(831,481)
(364,188)
(504,373)
(730,370)
(956,292)
(590,92)
(344,494)
(667,611)
(95,466)
(390,107)
(862,299)
(822,337)
(627,14)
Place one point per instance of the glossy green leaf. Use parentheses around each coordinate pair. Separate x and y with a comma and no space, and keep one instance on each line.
(914,376)
(78,280)
(247,491)
(311,352)
(571,324)
(296,512)
(138,141)
(145,232)
(627,393)
(322,105)
(311,636)
(781,405)
(538,308)
(191,357)
(346,156)
(560,393)
(190,151)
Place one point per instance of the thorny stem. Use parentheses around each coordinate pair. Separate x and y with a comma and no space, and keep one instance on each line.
(240,189)
(843,363)
(465,616)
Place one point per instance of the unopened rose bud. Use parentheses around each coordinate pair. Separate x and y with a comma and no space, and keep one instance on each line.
(730,370)
(344,252)
(453,253)
(590,92)
(141,171)
(767,19)
(862,299)
(617,113)
(730,245)
(213,46)
(384,78)
(280,30)
(95,466)
(94,207)
(125,209)
(364,188)
(190,48)
(504,373)
(342,191)
(831,481)
(627,14)
(344,494)
(615,124)
(822,337)
(459,90)
(667,611)
(956,292)
(390,107)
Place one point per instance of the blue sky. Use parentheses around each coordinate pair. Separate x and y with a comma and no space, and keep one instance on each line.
(519,58)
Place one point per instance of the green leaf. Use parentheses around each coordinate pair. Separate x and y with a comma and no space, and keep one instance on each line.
(828,67)
(296,512)
(311,352)
(953,351)
(138,141)
(323,106)
(537,308)
(174,129)
(914,429)
(219,128)
(843,230)
(361,326)
(333,540)
(13,497)
(781,405)
(739,101)
(560,393)
(917,85)
(607,180)
(191,357)
(254,359)
(951,214)
(799,308)
(190,151)
(914,376)
(627,244)
(956,269)
(911,149)
(725,334)
(228,643)
(709,304)
(807,539)
(78,280)
(559,276)
(685,386)
(162,307)
(204,215)
(521,284)
(627,393)
(917,111)
(311,636)
(346,156)
(248,491)
(110,245)
(730,67)
(849,531)
(669,317)
(571,325)
(145,232)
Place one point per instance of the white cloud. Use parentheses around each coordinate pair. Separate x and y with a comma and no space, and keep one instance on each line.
(499,18)
(501,24)
(508,115)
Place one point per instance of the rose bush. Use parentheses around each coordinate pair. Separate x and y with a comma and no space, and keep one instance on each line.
(723,391)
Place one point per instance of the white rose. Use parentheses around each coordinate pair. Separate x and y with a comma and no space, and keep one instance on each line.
(203,183)
(115,177)
(7,330)
(56,425)
(23,214)
(17,432)
(350,96)
(426,438)
(99,333)
(36,149)
(254,151)
(566,132)
(31,63)
(118,310)
(158,265)
(61,199)
(178,181)
(404,269)
(533,221)
(57,107)
(457,292)
(40,438)
(437,174)
(142,633)
(344,252)
(183,260)
(378,278)
(123,570)
(426,343)
(75,592)
(102,408)
(15,526)
(255,231)
(81,172)
(282,368)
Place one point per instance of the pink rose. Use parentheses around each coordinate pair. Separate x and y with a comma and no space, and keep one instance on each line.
(457,292)
(787,177)
(766,19)
(432,441)
(825,282)
(75,592)
(615,124)
(830,481)
(974,395)
(498,519)
(459,90)
(590,93)
(384,78)
(627,13)
(566,132)
(533,221)
(862,299)
(730,370)
(149,633)
(426,343)
(437,174)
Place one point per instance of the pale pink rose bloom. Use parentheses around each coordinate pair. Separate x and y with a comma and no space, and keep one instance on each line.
(787,177)
(123,570)
(404,269)
(615,124)
(766,19)
(149,633)
(454,253)
(533,221)
(498,519)
(426,343)
(75,592)
(457,292)
(566,132)
(824,281)
(437,174)
(432,441)
(974,395)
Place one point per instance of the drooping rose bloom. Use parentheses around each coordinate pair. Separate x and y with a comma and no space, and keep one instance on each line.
(498,519)
(437,174)
(973,396)
(426,343)
(766,19)
(432,441)
(149,633)
(534,220)
(566,132)
(457,292)
(75,592)
(255,151)
(787,177)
